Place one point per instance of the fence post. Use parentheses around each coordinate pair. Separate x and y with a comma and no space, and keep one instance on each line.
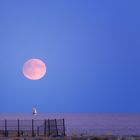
(32,128)
(48,127)
(6,134)
(18,129)
(45,124)
(64,127)
(37,130)
(56,127)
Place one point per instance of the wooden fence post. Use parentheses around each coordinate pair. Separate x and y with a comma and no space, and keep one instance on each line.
(18,129)
(64,127)
(32,128)
(56,127)
(49,128)
(6,133)
(45,127)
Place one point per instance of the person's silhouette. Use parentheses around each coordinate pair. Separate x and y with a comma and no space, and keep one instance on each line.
(34,111)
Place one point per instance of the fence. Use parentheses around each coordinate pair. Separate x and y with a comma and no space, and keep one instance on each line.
(20,128)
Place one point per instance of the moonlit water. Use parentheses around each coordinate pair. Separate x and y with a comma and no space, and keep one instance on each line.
(90,124)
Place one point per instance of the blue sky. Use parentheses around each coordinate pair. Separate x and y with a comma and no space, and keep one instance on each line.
(91,48)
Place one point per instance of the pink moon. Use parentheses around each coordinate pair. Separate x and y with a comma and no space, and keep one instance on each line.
(34,69)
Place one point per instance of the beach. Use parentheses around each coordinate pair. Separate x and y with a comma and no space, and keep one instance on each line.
(86,126)
(89,123)
(107,137)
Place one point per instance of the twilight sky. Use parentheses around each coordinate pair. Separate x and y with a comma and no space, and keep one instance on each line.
(91,48)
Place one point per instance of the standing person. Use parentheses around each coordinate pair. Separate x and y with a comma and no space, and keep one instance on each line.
(34,111)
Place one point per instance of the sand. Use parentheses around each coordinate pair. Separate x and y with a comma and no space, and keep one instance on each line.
(107,137)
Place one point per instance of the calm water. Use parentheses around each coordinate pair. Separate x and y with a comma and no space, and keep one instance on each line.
(98,124)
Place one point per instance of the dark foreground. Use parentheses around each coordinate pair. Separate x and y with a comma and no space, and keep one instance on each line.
(111,137)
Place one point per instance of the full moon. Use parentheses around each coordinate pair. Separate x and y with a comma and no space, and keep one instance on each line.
(34,69)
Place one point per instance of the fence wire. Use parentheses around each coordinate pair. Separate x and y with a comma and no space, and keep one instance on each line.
(14,128)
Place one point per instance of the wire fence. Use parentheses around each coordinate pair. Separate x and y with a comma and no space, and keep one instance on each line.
(20,128)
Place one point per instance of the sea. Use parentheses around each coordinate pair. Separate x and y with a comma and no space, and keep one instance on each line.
(89,123)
